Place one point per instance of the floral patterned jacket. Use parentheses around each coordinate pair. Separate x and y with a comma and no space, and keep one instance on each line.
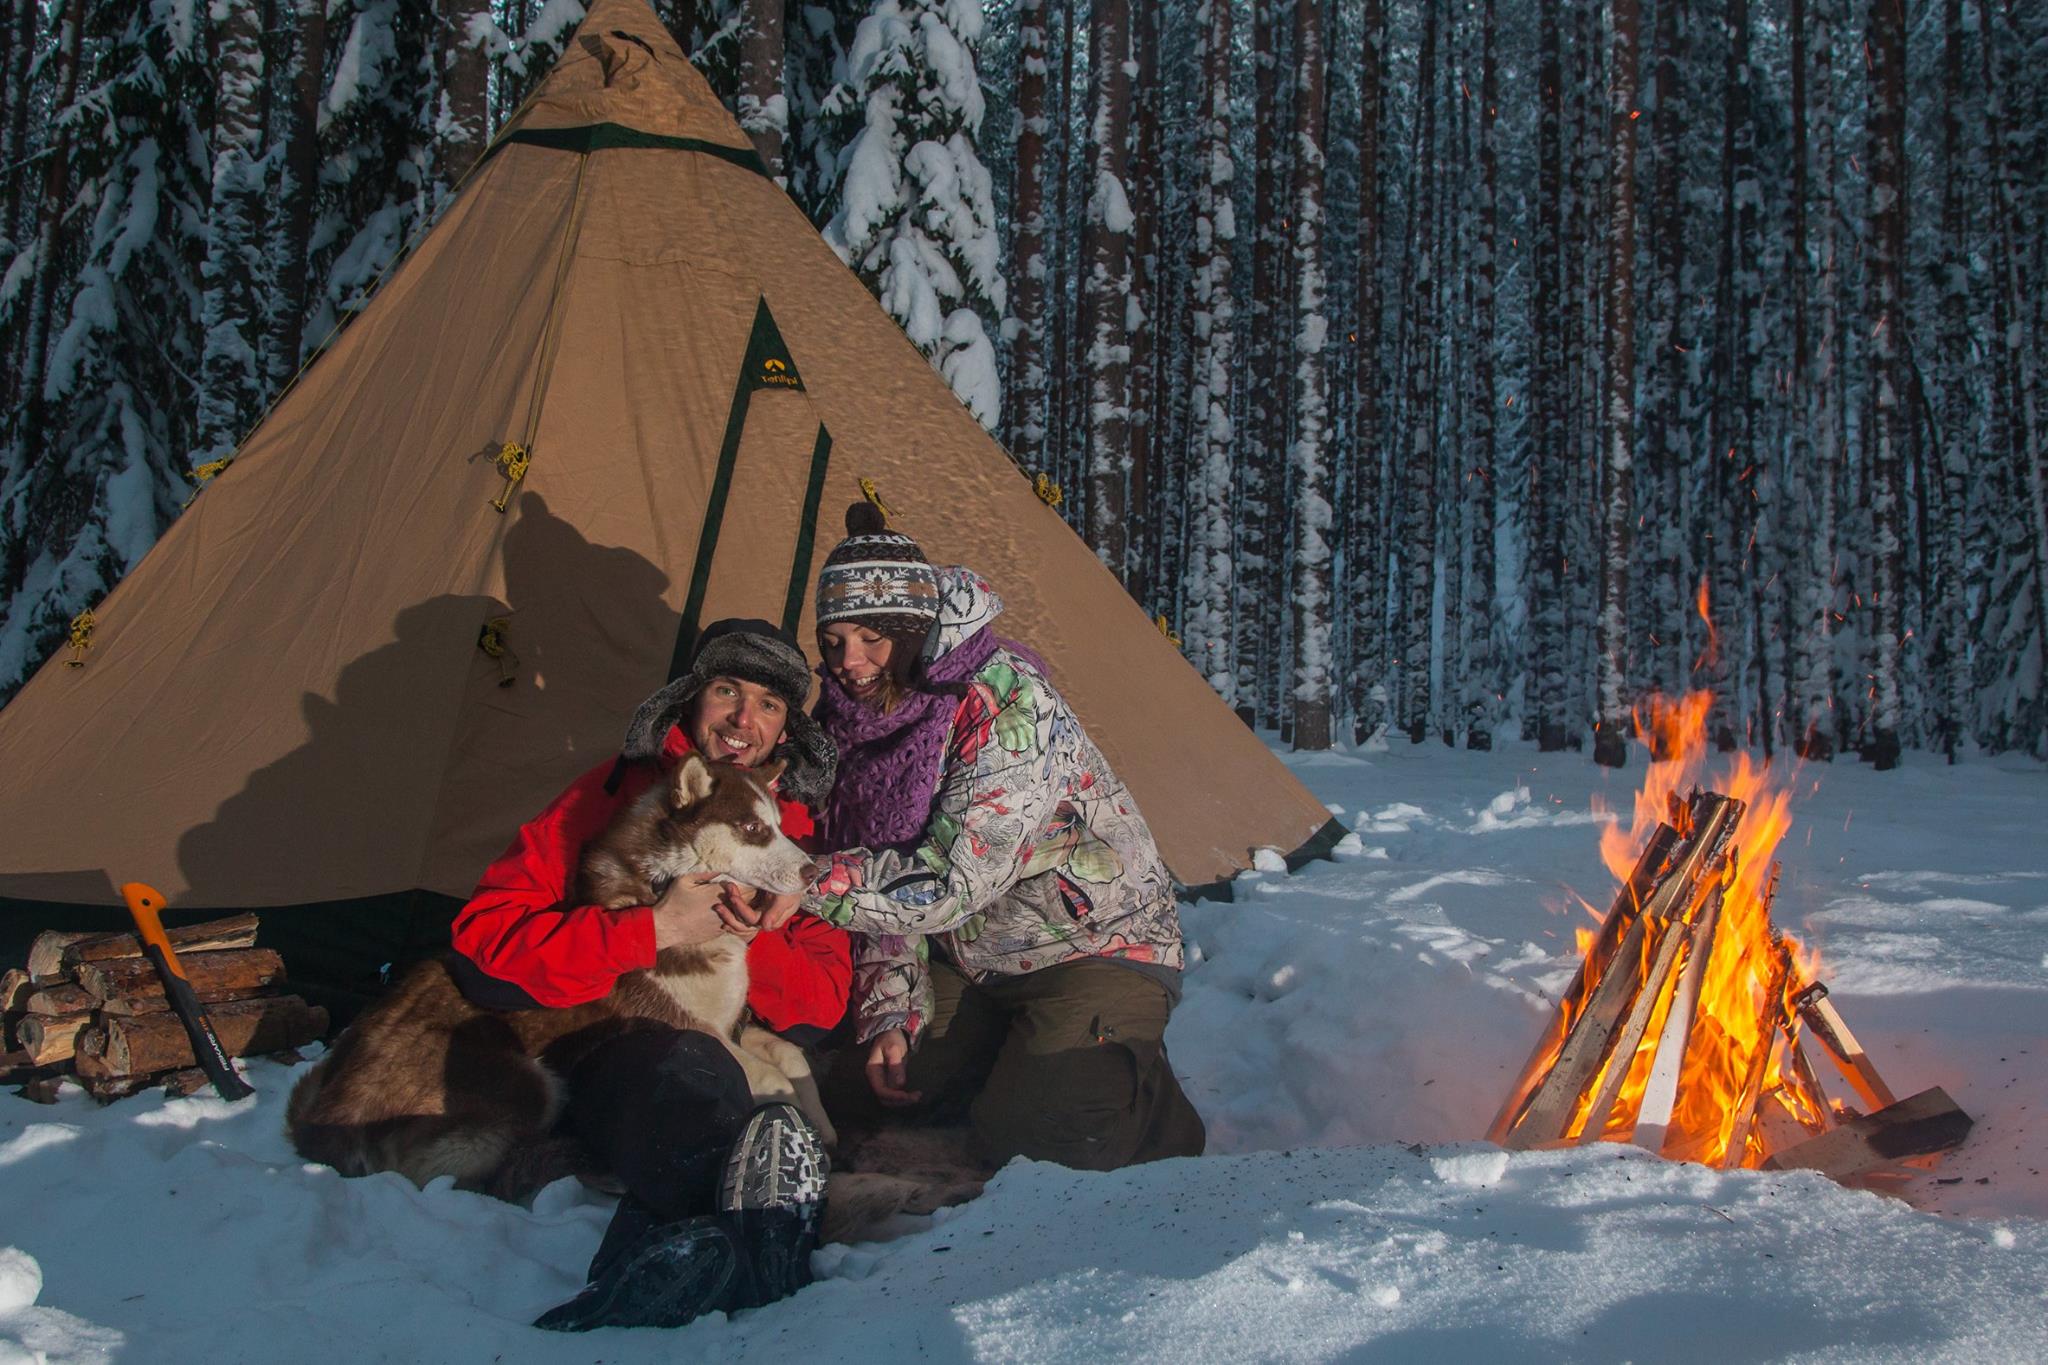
(1035,853)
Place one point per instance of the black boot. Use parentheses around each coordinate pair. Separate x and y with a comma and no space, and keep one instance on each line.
(773,1191)
(673,1274)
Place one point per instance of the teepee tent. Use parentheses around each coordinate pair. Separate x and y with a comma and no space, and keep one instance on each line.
(344,675)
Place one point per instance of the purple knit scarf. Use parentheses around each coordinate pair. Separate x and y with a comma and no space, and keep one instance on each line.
(890,763)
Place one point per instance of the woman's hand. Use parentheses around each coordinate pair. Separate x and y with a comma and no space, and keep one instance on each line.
(687,913)
(747,911)
(887,1075)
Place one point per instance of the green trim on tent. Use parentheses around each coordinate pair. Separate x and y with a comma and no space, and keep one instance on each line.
(767,364)
(338,954)
(807,532)
(1321,844)
(599,137)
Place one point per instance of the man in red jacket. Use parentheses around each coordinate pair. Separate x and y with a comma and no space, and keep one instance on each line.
(722,1199)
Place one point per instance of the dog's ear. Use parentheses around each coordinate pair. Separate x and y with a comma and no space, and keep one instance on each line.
(690,782)
(770,772)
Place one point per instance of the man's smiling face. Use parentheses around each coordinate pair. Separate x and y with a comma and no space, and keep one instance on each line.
(736,721)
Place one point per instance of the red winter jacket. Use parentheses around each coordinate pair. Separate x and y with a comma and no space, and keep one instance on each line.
(517,930)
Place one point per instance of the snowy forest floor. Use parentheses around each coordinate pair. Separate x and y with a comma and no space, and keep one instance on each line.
(1347,1032)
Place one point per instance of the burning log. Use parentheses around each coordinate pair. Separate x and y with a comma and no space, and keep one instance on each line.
(1684,1029)
(1920,1125)
(1564,1103)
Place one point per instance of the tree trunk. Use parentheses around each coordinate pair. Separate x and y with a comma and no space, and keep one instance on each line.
(1885,45)
(1366,557)
(1310,452)
(297,188)
(763,105)
(1417,541)
(1949,609)
(1484,681)
(233,380)
(465,123)
(1545,506)
(1141,315)
(1107,248)
(55,196)
(1209,632)
(1028,378)
(1611,724)
(1260,472)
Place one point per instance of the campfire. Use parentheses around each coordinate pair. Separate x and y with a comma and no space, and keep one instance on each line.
(1687,1027)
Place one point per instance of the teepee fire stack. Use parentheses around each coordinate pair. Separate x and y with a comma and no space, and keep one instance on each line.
(1686,1028)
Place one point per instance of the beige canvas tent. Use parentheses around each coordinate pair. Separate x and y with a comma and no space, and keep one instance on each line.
(286,704)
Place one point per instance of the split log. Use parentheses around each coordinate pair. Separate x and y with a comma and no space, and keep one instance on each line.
(134,1045)
(59,998)
(1919,1125)
(48,1038)
(15,988)
(1660,1094)
(1622,1056)
(1621,913)
(46,954)
(1696,869)
(236,931)
(106,1089)
(1826,1024)
(1585,1048)
(130,985)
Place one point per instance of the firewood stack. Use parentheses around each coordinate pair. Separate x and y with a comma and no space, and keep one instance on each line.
(90,1007)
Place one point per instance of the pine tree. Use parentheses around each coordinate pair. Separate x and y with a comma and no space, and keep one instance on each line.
(1365,505)
(1886,435)
(916,216)
(1544,505)
(297,159)
(1663,598)
(1617,510)
(763,106)
(1147,189)
(1310,453)
(233,378)
(114,383)
(1483,680)
(1026,429)
(1416,542)
(462,114)
(1261,475)
(1107,285)
(1949,610)
(1209,635)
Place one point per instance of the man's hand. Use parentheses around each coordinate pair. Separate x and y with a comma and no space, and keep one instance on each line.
(887,1075)
(687,913)
(747,911)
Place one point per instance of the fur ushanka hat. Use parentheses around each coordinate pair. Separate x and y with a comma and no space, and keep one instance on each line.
(757,652)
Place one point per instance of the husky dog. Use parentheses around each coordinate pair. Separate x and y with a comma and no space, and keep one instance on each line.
(428,1084)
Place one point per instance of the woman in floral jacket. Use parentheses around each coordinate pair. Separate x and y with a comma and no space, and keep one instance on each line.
(1019,945)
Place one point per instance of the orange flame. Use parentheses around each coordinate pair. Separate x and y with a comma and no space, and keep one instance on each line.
(1734,1062)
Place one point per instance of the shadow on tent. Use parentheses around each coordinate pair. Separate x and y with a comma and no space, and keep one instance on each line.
(340,953)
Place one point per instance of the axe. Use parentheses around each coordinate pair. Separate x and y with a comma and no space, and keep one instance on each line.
(144,905)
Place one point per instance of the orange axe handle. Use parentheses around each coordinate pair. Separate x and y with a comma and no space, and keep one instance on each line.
(145,907)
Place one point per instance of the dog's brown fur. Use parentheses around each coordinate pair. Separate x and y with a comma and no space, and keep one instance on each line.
(428,1084)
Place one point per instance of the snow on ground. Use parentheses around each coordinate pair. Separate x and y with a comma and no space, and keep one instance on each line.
(1347,1032)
